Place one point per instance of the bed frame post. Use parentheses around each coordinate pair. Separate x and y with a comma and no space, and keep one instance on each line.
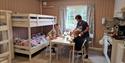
(30,44)
(30,57)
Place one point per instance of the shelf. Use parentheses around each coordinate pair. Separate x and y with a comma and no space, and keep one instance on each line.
(4,54)
(4,61)
(4,42)
(5,11)
(5,36)
(2,28)
(2,17)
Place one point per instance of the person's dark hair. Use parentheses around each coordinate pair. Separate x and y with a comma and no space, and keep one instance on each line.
(56,24)
(78,17)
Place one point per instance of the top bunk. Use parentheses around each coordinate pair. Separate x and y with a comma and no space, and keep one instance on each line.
(44,20)
(4,19)
(32,20)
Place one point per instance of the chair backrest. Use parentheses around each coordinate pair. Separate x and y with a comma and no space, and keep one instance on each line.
(83,44)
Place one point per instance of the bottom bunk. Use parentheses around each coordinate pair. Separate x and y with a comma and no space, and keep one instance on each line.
(27,50)
(24,46)
(29,40)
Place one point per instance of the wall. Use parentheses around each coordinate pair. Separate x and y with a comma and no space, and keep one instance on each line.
(22,6)
(103,8)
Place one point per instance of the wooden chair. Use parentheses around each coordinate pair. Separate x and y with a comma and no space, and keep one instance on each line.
(77,52)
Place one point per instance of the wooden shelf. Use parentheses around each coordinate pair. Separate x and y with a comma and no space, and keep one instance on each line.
(5,11)
(5,18)
(4,42)
(4,54)
(4,61)
(2,28)
(2,17)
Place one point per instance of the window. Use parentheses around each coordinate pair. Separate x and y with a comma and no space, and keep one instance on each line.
(71,12)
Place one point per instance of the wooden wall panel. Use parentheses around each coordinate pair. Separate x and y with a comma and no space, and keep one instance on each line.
(103,8)
(21,6)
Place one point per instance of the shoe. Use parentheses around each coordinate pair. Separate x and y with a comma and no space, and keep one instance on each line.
(80,53)
(86,57)
(53,51)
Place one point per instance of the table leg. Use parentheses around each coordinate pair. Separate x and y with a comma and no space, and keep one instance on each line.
(73,54)
(50,53)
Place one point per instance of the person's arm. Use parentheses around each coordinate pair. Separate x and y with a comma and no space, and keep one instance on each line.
(86,30)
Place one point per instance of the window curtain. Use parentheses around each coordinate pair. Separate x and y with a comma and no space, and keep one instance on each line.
(90,19)
(62,18)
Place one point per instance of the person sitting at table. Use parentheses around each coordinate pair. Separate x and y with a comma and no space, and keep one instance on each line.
(53,34)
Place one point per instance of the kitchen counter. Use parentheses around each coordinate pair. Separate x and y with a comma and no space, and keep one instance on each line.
(117,51)
(114,50)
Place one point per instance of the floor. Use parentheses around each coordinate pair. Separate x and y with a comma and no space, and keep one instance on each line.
(40,57)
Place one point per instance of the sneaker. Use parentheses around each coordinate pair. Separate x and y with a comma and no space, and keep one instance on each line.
(86,57)
(53,51)
(80,53)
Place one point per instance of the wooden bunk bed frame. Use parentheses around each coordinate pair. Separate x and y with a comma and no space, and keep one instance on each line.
(29,21)
(5,36)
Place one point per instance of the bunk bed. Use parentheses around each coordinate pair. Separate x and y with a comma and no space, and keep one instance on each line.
(5,36)
(22,31)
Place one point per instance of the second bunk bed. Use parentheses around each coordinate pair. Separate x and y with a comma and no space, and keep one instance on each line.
(27,31)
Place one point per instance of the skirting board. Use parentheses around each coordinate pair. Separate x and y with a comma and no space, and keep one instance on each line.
(97,49)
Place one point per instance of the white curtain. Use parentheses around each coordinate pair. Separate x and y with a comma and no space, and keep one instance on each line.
(62,18)
(90,18)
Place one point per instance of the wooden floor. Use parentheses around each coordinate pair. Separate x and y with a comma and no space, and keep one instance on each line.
(40,57)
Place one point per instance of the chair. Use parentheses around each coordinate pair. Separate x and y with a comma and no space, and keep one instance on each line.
(77,52)
(47,51)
